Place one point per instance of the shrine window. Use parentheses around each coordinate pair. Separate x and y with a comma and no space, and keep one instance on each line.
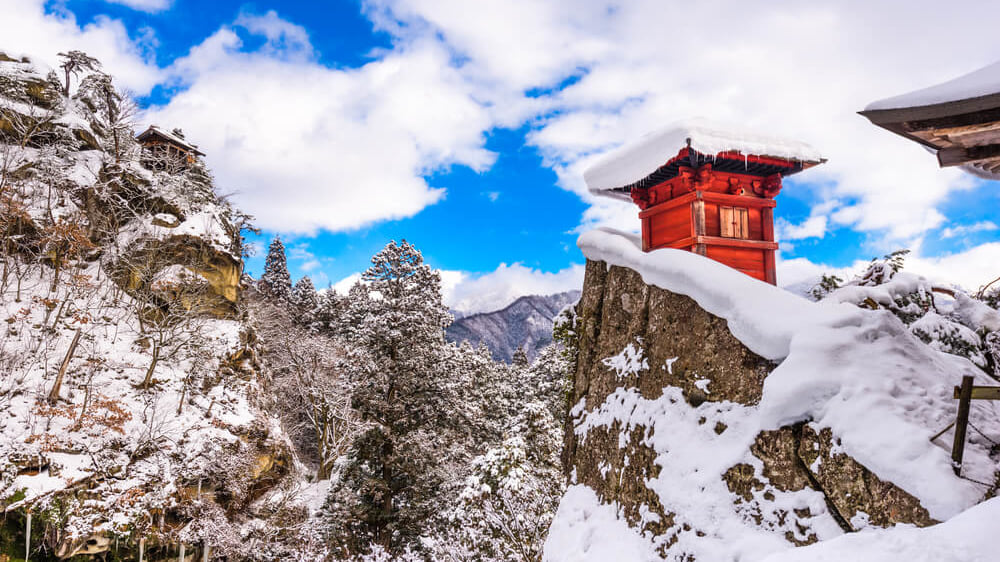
(734,222)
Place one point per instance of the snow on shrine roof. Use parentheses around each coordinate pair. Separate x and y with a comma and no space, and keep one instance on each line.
(170,137)
(976,84)
(633,162)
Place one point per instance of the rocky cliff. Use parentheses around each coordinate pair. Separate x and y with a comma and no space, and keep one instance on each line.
(131,394)
(673,421)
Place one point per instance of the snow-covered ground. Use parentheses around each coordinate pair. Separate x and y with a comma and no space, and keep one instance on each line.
(863,374)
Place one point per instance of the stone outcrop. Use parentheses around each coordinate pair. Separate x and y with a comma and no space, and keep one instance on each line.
(211,288)
(682,346)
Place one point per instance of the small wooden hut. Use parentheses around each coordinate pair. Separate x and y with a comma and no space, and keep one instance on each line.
(958,119)
(162,149)
(705,188)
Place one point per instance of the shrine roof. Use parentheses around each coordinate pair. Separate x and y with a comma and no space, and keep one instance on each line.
(657,156)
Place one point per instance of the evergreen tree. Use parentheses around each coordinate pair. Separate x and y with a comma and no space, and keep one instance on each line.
(276,281)
(329,311)
(395,323)
(305,297)
(520,357)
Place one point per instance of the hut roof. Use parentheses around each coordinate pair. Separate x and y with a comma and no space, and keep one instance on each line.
(155,132)
(656,156)
(960,119)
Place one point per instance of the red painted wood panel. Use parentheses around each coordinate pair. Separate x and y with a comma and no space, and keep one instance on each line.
(669,226)
(712,226)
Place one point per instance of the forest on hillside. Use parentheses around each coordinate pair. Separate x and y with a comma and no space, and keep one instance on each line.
(158,402)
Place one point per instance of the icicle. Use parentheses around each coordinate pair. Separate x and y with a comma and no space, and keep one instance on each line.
(181,557)
(142,547)
(199,488)
(27,537)
(204,552)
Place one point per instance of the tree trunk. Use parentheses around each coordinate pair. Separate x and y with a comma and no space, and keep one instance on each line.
(152,366)
(180,406)
(54,394)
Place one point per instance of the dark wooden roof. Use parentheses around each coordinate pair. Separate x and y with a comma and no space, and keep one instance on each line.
(963,132)
(154,132)
(732,162)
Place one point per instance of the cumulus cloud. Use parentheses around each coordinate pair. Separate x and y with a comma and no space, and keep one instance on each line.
(799,69)
(27,28)
(308,147)
(149,6)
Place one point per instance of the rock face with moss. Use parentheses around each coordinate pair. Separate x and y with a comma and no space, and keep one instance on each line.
(635,343)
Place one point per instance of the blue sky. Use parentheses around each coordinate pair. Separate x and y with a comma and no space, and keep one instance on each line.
(464,127)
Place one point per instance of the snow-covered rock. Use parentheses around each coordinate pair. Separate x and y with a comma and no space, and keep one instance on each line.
(818,420)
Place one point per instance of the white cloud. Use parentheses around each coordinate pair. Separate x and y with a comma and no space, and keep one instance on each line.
(499,288)
(812,227)
(308,147)
(26,28)
(343,286)
(793,68)
(149,6)
(962,230)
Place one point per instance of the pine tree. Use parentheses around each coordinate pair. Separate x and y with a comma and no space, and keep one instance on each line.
(276,281)
(395,323)
(520,357)
(304,295)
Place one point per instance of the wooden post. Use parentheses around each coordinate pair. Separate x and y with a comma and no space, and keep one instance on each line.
(961,424)
(698,219)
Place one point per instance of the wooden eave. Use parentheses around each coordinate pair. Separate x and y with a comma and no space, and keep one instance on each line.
(963,132)
(729,161)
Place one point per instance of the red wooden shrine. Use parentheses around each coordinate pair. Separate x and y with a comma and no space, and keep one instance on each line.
(718,205)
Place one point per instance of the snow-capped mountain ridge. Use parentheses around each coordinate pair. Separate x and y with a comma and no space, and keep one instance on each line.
(525,322)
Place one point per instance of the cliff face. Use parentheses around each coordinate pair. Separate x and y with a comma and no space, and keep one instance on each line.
(128,422)
(650,362)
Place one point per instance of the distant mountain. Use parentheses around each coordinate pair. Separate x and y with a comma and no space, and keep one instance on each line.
(526,321)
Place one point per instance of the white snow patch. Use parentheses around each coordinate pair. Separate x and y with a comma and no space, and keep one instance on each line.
(982,82)
(968,537)
(586,530)
(629,362)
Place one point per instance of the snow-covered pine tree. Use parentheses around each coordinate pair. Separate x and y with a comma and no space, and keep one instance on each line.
(276,280)
(306,299)
(395,322)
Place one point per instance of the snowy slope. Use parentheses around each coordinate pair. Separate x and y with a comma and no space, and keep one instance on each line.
(860,373)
